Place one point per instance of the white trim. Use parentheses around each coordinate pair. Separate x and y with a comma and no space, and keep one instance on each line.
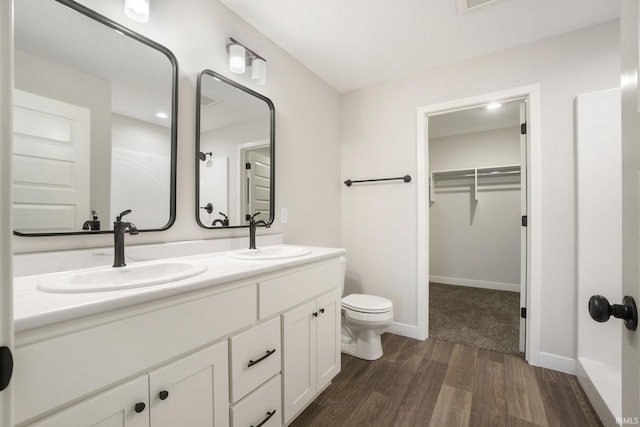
(557,363)
(534,230)
(472,283)
(6,205)
(402,329)
(607,417)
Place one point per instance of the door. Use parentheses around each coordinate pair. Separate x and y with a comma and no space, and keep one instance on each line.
(6,288)
(126,405)
(629,16)
(257,183)
(327,339)
(51,154)
(192,392)
(599,246)
(299,358)
(523,228)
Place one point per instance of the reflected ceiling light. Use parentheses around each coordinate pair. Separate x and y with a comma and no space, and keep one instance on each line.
(241,57)
(162,115)
(494,106)
(137,10)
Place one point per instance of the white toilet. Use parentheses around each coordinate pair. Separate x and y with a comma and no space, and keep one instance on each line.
(364,319)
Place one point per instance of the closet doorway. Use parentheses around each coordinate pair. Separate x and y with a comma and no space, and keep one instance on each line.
(531,251)
(477,214)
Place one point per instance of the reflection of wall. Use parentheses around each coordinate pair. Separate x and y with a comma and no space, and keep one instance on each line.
(223,142)
(140,166)
(36,75)
(476,241)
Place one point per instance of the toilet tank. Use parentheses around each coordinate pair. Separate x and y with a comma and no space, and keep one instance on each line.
(343,273)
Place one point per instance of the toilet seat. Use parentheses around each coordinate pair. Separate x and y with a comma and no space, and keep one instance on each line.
(369,304)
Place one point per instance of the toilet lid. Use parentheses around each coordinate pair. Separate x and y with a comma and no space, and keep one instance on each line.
(366,303)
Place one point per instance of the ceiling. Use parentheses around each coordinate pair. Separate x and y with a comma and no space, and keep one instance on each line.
(355,43)
(477,119)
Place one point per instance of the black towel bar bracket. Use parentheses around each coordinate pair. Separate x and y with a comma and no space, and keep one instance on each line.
(406,178)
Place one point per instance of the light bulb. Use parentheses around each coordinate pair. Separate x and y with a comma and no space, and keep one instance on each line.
(259,70)
(237,58)
(137,10)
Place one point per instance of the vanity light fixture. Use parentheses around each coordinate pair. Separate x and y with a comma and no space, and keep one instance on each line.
(241,57)
(137,10)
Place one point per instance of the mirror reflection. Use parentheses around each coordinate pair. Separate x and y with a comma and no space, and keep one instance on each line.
(94,123)
(235,151)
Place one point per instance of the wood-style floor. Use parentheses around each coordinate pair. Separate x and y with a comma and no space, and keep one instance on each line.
(443,384)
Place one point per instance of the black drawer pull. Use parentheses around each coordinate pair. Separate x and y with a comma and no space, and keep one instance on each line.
(269,415)
(139,407)
(253,362)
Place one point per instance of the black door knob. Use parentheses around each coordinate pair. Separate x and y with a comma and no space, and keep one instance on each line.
(163,394)
(600,310)
(139,407)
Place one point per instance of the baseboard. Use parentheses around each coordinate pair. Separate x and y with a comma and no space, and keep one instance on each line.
(599,405)
(557,363)
(511,287)
(404,330)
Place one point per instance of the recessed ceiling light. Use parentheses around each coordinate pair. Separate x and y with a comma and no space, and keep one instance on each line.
(162,115)
(493,106)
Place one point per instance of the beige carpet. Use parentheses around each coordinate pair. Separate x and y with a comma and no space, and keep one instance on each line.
(481,318)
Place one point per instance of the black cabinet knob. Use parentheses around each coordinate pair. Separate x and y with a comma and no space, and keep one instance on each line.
(600,310)
(322,310)
(163,394)
(139,407)
(315,314)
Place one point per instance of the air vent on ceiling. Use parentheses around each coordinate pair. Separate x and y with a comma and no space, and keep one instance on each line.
(465,6)
(205,101)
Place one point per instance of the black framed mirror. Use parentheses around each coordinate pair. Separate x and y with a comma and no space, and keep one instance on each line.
(95,123)
(235,153)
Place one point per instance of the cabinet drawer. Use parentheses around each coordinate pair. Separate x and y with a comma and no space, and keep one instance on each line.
(261,406)
(255,357)
(282,292)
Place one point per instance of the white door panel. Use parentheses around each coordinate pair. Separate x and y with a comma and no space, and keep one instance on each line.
(51,157)
(630,200)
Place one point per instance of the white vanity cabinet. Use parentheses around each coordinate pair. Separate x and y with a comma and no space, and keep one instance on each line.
(311,355)
(224,355)
(193,391)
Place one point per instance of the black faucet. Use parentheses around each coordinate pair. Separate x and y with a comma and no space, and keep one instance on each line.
(223,222)
(252,229)
(119,228)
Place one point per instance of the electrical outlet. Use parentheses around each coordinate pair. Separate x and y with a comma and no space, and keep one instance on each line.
(283,215)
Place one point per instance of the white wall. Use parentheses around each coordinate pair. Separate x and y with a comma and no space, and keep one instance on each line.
(307,126)
(476,243)
(379,139)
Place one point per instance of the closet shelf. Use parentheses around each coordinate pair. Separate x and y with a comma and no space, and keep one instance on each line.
(485,172)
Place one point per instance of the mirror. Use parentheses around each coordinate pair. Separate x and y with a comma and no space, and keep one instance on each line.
(95,114)
(235,152)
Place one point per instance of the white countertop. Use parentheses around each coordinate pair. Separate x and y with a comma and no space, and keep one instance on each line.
(35,309)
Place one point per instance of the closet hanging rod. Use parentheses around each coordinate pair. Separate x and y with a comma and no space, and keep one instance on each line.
(406,178)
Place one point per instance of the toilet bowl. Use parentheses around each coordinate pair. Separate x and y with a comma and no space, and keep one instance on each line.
(364,319)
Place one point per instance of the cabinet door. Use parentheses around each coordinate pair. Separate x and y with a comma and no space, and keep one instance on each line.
(327,339)
(124,405)
(299,358)
(193,391)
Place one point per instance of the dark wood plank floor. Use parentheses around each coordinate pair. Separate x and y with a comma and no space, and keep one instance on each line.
(442,384)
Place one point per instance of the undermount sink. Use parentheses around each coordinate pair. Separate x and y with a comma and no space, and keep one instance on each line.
(118,278)
(269,252)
